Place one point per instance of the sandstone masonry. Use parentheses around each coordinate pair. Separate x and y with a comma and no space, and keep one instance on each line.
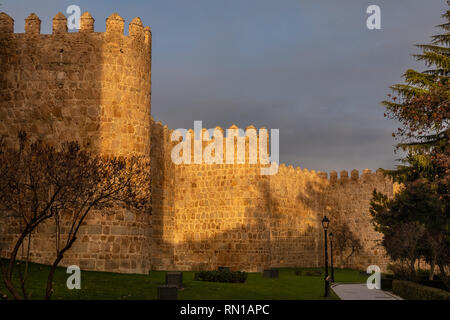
(96,88)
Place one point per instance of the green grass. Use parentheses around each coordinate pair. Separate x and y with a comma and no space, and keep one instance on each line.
(105,285)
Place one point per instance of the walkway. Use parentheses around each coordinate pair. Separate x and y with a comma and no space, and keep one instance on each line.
(359,291)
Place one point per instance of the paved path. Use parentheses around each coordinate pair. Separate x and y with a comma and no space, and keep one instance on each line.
(359,291)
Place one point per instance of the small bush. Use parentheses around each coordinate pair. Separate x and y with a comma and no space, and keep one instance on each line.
(414,291)
(312,273)
(400,271)
(386,283)
(221,276)
(439,284)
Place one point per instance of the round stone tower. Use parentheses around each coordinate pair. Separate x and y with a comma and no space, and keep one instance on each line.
(90,87)
(87,86)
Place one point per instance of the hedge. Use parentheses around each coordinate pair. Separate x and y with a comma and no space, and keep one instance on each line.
(414,291)
(221,276)
(439,284)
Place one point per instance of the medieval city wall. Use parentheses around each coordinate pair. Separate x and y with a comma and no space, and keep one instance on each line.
(95,88)
(230,215)
(89,87)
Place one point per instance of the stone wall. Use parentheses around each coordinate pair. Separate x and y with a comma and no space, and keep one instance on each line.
(95,88)
(86,86)
(163,190)
(116,241)
(210,215)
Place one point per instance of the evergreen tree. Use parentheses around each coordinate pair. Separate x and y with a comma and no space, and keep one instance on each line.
(421,106)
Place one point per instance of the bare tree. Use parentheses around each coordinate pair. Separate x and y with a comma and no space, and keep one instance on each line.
(65,183)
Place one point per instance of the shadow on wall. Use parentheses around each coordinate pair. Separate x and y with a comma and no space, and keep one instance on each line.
(231,216)
(84,86)
(53,80)
(268,227)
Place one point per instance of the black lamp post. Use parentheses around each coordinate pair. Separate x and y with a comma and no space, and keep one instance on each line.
(325,223)
(331,256)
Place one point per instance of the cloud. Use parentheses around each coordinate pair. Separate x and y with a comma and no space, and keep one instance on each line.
(310,68)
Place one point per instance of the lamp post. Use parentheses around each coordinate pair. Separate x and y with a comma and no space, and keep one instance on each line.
(331,256)
(325,223)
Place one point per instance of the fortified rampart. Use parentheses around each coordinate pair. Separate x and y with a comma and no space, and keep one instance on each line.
(87,86)
(212,215)
(96,88)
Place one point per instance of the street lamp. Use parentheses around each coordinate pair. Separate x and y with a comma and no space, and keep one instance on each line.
(325,223)
(331,256)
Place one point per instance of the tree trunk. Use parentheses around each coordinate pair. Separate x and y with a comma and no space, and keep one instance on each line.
(413,268)
(432,265)
(49,289)
(442,270)
(59,257)
(7,278)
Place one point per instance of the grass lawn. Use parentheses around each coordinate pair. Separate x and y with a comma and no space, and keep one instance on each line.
(116,286)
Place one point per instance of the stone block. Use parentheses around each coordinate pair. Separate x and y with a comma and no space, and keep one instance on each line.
(111,265)
(175,279)
(270,273)
(224,269)
(119,230)
(94,229)
(167,292)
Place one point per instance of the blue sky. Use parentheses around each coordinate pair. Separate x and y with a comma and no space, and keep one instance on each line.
(309,68)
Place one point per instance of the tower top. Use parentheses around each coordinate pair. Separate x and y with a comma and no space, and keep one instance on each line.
(59,23)
(86,22)
(6,23)
(114,25)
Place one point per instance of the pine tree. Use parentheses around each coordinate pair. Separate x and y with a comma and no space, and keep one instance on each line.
(421,105)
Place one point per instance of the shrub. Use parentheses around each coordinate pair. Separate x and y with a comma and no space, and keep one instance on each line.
(400,271)
(413,291)
(312,273)
(386,282)
(439,284)
(221,276)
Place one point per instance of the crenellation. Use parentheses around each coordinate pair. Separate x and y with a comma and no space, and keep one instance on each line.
(68,87)
(203,215)
(86,23)
(354,175)
(367,175)
(380,173)
(343,175)
(6,23)
(115,24)
(148,35)
(59,23)
(333,176)
(323,175)
(136,29)
(32,24)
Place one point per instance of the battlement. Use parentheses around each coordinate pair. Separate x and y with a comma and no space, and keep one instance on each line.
(114,26)
(332,177)
(164,133)
(95,88)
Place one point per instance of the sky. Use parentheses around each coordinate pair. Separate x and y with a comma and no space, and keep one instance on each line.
(311,69)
